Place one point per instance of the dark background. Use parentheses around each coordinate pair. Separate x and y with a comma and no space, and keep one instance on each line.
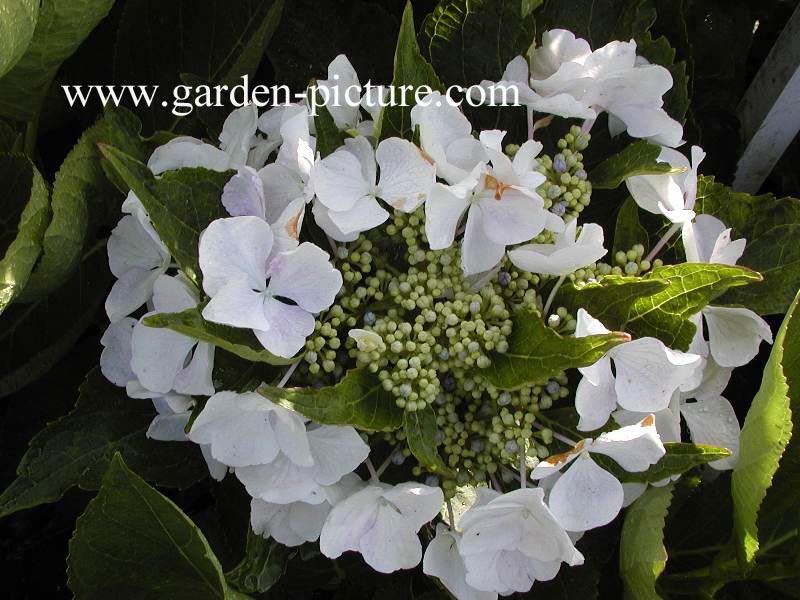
(723,55)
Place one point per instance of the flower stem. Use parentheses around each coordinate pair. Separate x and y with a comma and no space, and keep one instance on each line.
(530,122)
(663,242)
(495,483)
(552,295)
(450,515)
(289,372)
(372,472)
(522,471)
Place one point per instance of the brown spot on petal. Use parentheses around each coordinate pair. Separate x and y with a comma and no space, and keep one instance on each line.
(493,184)
(559,459)
(647,421)
(426,157)
(291,226)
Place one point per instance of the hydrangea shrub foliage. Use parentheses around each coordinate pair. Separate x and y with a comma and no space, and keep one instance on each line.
(428,350)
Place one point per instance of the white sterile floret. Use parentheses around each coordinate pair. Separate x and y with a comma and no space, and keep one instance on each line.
(611,79)
(164,360)
(381,522)
(647,374)
(367,341)
(509,541)
(247,283)
(115,360)
(341,94)
(670,194)
(586,495)
(443,561)
(566,255)
(299,522)
(445,136)
(499,213)
(335,452)
(347,184)
(236,140)
(734,333)
(137,257)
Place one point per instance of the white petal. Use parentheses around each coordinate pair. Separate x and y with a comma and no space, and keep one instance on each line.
(586,496)
(238,305)
(306,276)
(238,429)
(735,334)
(418,503)
(322,218)
(173,294)
(286,229)
(596,400)
(233,248)
(443,561)
(341,76)
(336,451)
(512,218)
(554,463)
(306,519)
(338,180)
(588,325)
(133,289)
(238,134)
(478,252)
(349,520)
(243,195)
(158,355)
(290,433)
(443,211)
(406,177)
(286,330)
(272,520)
(187,152)
(280,481)
(281,186)
(131,246)
(713,421)
(365,215)
(635,447)
(195,379)
(168,428)
(390,544)
(648,373)
(115,361)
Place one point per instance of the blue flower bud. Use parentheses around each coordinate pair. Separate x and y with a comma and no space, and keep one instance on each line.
(559,163)
(553,387)
(559,208)
(432,481)
(369,318)
(504,278)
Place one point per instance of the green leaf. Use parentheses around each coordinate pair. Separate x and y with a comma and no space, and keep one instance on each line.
(9,138)
(537,353)
(358,400)
(16,30)
(629,230)
(36,336)
(329,138)
(471,40)
(241,342)
(597,21)
(180,203)
(642,555)
(83,200)
(680,457)
(410,69)
(421,429)
(263,564)
(134,542)
(771,226)
(766,433)
(76,449)
(26,213)
(639,158)
(663,314)
(215,41)
(60,29)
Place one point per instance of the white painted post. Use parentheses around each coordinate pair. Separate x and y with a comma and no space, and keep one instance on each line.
(770,109)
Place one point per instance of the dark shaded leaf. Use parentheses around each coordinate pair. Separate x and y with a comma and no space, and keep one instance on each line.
(421,429)
(639,158)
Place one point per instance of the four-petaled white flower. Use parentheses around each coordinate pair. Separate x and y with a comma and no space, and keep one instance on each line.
(247,282)
(564,256)
(646,374)
(587,496)
(347,184)
(443,561)
(611,79)
(670,194)
(511,540)
(381,522)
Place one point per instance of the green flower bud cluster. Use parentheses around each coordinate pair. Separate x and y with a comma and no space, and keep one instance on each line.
(631,263)
(567,191)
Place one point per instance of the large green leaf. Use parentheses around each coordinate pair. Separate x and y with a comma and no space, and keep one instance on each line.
(629,230)
(36,336)
(358,400)
(680,457)
(76,449)
(26,213)
(664,314)
(766,433)
(421,429)
(536,353)
(133,542)
(180,203)
(471,40)
(264,563)
(83,199)
(639,158)
(16,30)
(597,21)
(217,42)
(410,69)
(241,342)
(771,226)
(60,29)
(642,555)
